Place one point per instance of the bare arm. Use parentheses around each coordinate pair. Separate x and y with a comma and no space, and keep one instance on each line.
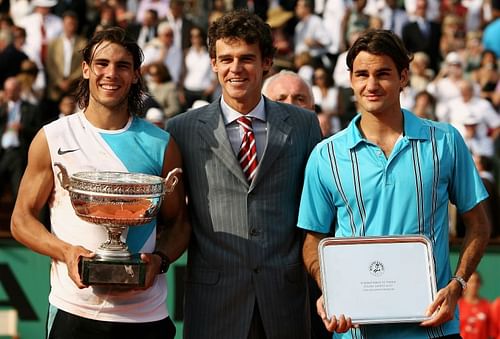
(34,191)
(476,239)
(174,238)
(311,261)
(310,255)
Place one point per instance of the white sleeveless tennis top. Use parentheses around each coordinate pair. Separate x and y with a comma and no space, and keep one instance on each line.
(79,146)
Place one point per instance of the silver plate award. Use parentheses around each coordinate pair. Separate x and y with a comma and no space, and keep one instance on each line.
(375,280)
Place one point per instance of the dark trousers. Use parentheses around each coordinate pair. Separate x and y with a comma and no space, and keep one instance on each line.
(67,326)
(318,329)
(256,326)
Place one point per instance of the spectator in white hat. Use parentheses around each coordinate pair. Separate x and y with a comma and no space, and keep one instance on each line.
(41,27)
(444,87)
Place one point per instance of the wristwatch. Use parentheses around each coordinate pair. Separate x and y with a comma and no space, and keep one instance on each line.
(165,262)
(461,281)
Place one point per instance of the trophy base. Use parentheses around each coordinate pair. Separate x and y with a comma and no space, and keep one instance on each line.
(121,272)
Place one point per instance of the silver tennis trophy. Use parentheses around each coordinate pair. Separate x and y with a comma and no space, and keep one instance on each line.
(115,201)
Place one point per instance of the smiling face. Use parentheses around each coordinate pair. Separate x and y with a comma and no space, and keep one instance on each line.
(240,69)
(110,74)
(376,83)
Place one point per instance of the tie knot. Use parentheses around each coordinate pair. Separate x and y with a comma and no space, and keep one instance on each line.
(245,122)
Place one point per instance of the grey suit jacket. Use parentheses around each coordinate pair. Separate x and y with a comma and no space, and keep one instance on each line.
(245,246)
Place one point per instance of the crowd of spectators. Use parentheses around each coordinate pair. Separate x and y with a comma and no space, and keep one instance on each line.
(454,72)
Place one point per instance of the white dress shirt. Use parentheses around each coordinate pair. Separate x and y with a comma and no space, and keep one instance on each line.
(311,28)
(32,23)
(235,132)
(68,45)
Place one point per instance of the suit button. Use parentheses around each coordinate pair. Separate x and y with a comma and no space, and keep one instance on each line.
(254,232)
(256,270)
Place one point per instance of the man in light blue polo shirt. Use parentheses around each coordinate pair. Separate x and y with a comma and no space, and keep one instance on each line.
(392,173)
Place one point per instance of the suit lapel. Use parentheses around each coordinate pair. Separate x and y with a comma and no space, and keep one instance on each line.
(278,131)
(213,131)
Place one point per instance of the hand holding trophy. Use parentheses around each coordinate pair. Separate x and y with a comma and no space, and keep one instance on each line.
(115,200)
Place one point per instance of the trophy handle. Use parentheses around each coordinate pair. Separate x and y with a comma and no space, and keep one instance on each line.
(63,176)
(171,180)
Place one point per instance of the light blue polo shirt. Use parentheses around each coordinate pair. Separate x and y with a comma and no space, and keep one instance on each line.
(352,189)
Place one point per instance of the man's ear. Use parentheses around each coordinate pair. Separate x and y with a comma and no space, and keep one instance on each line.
(214,65)
(85,70)
(267,63)
(136,78)
(404,78)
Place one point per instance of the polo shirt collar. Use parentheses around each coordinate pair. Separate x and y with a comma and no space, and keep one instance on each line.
(414,128)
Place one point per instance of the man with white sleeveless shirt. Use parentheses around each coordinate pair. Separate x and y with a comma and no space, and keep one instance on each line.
(105,136)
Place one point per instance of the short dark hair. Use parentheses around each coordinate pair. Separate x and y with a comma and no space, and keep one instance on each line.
(114,35)
(71,14)
(241,24)
(153,11)
(381,42)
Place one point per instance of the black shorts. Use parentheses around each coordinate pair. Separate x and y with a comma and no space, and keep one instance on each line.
(69,326)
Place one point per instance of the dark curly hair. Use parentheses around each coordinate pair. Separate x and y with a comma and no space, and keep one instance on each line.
(118,36)
(381,42)
(241,24)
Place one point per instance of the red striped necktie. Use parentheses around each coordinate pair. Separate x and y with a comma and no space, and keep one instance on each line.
(43,43)
(247,155)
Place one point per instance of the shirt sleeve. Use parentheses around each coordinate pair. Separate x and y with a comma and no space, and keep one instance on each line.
(317,211)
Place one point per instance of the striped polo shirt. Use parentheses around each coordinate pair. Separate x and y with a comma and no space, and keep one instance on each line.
(352,189)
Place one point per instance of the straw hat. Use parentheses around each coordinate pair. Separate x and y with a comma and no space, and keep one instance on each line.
(277,16)
(44,3)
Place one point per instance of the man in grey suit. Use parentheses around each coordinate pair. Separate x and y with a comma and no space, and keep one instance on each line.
(245,278)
